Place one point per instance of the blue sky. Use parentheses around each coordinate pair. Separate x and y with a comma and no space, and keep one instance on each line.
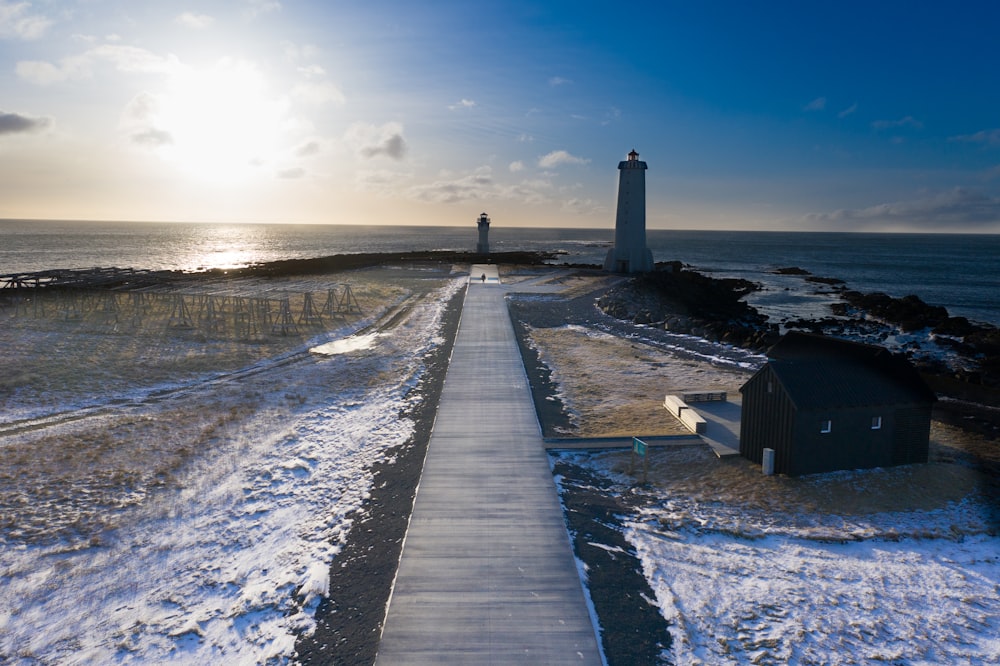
(782,115)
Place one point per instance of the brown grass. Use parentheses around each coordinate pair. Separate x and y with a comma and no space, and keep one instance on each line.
(615,387)
(74,476)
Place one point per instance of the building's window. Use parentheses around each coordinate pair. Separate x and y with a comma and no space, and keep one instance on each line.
(770,387)
(825,426)
(876,423)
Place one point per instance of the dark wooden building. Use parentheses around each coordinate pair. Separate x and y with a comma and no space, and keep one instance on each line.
(825,404)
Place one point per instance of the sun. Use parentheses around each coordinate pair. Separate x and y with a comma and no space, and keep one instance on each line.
(219,124)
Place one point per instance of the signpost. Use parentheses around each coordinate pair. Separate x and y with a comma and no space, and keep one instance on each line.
(639,449)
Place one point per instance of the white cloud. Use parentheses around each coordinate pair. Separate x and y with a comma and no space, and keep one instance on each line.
(16,123)
(462,104)
(848,111)
(613,115)
(370,141)
(152,137)
(525,138)
(124,58)
(987,137)
(308,149)
(583,206)
(291,173)
(905,121)
(195,21)
(479,185)
(817,104)
(318,93)
(516,166)
(559,81)
(17,21)
(300,52)
(40,73)
(448,189)
(956,209)
(256,8)
(557,157)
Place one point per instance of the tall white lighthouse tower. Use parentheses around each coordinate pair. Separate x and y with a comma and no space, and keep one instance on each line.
(630,254)
(483,246)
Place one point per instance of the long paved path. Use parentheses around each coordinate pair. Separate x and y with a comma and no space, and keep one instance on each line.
(487,574)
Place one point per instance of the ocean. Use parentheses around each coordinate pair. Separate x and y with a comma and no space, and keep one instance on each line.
(960,272)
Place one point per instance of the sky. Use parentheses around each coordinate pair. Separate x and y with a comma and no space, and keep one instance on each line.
(811,116)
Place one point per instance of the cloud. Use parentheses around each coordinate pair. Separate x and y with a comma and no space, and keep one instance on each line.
(318,93)
(17,22)
(152,137)
(40,73)
(476,185)
(194,21)
(462,104)
(516,166)
(557,157)
(848,111)
(124,58)
(986,137)
(559,81)
(817,104)
(291,173)
(479,185)
(15,123)
(370,141)
(613,115)
(257,8)
(141,108)
(955,209)
(308,149)
(583,206)
(905,121)
(525,138)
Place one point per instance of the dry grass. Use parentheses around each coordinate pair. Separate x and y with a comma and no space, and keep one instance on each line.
(615,387)
(72,474)
(49,355)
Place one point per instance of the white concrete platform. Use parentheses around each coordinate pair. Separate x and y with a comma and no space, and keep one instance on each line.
(487,574)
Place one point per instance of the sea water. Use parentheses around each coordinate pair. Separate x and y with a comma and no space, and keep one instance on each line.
(960,272)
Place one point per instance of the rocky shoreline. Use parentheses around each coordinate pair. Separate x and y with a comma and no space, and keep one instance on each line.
(959,358)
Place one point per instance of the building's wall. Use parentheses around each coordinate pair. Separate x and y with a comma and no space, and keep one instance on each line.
(767,421)
(850,444)
(911,434)
(770,420)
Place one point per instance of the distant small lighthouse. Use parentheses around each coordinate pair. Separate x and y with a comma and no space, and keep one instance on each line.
(630,254)
(483,246)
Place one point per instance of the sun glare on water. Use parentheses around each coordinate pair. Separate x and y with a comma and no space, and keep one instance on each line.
(219,124)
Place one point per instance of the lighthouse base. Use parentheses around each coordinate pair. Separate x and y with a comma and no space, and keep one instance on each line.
(629,260)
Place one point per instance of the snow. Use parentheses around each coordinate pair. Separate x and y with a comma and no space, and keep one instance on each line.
(739,585)
(230,563)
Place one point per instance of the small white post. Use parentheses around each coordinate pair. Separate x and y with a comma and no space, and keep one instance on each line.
(768,464)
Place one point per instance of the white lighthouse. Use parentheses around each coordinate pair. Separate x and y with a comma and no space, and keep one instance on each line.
(630,254)
(483,246)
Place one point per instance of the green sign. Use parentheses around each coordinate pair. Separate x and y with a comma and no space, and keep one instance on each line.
(638,446)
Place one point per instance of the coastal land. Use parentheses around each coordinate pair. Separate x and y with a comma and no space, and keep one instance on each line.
(120,428)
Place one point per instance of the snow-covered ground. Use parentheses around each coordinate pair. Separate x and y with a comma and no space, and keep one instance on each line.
(898,566)
(225,563)
(742,583)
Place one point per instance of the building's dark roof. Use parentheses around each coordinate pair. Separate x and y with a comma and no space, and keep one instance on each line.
(822,372)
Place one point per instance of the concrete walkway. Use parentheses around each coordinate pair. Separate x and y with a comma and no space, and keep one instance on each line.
(487,574)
